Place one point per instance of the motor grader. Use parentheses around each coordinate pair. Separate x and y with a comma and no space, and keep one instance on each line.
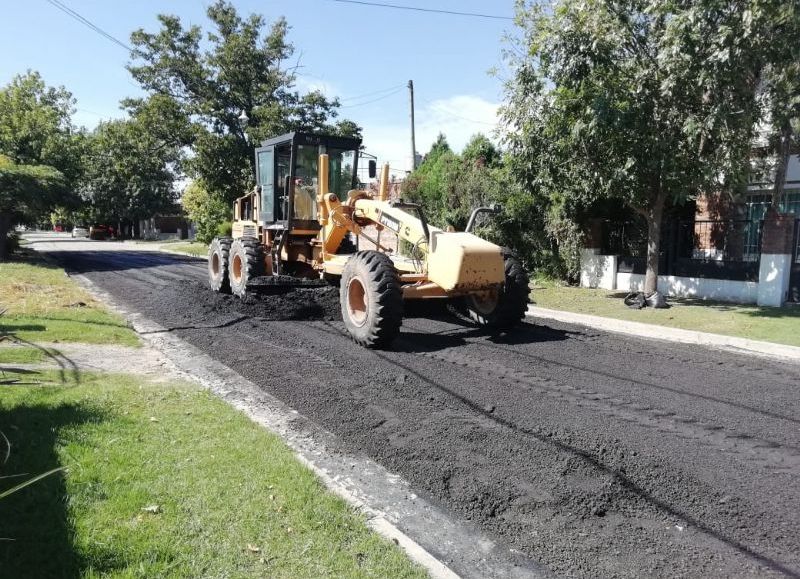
(306,219)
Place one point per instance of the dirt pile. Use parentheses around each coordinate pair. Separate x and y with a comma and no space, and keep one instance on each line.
(274,303)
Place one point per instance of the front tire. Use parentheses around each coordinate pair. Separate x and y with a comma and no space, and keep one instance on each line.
(371,299)
(503,308)
(246,262)
(218,253)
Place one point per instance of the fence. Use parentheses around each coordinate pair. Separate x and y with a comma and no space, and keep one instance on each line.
(718,249)
(794,273)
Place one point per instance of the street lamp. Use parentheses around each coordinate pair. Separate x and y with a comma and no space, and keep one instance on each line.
(243,120)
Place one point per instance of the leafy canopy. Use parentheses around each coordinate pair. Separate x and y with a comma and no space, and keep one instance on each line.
(130,168)
(645,101)
(39,151)
(208,80)
(26,193)
(36,125)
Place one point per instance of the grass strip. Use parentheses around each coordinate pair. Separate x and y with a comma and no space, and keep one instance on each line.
(192,248)
(165,480)
(42,304)
(21,355)
(778,325)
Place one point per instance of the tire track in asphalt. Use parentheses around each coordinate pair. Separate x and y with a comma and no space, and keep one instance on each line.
(630,494)
(773,455)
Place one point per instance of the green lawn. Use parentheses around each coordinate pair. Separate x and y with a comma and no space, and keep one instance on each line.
(42,304)
(191,247)
(21,355)
(165,480)
(779,325)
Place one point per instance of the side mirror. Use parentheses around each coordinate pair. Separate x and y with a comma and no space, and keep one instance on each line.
(373,168)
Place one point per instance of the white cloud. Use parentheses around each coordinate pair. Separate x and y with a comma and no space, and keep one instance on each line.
(458,117)
(305,84)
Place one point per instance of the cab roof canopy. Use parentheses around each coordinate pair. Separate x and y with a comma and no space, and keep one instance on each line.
(299,138)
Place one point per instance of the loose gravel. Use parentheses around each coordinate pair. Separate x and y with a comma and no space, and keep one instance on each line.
(270,303)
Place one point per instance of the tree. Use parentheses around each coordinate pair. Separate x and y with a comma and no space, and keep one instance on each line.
(242,70)
(26,192)
(645,101)
(130,170)
(439,147)
(780,75)
(36,125)
(481,150)
(39,152)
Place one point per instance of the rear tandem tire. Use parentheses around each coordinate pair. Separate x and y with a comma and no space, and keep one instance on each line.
(218,252)
(245,263)
(371,299)
(504,310)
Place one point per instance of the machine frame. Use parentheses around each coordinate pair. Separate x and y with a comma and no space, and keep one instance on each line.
(293,224)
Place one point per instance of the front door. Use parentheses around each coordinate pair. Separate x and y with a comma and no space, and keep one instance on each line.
(265,177)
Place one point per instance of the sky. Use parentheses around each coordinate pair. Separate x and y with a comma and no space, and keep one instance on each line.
(347,50)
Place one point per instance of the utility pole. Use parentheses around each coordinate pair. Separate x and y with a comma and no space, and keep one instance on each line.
(413,138)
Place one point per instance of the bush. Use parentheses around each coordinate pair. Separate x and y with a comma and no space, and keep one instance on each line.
(450,186)
(12,242)
(208,211)
(225,229)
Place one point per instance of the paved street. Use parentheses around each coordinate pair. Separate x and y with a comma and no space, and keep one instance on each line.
(595,454)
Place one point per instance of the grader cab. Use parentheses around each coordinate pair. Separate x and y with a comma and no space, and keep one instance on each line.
(306,218)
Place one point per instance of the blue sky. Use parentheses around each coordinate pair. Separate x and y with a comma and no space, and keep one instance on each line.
(346,50)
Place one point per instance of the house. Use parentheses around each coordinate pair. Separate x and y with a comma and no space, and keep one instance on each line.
(734,250)
(164,227)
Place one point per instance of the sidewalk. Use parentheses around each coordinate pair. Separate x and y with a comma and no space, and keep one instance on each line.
(657,332)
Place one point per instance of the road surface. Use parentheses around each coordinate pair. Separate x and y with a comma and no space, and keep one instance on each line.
(595,454)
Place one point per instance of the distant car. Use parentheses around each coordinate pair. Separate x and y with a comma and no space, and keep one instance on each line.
(80,232)
(101,232)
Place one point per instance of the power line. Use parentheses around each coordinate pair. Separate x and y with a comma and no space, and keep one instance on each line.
(386,96)
(72,14)
(418,9)
(436,108)
(361,96)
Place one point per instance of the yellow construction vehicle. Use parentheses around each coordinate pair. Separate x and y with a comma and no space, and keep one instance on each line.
(306,218)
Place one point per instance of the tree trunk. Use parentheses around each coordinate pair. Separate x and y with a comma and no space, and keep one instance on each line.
(5,227)
(654,215)
(784,148)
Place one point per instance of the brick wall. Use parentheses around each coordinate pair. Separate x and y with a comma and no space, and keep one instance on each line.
(778,233)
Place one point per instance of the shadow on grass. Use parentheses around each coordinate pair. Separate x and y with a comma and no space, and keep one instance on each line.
(789,312)
(11,329)
(36,535)
(25,255)
(741,309)
(68,372)
(775,313)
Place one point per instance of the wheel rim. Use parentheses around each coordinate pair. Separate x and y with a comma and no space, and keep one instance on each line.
(485,303)
(356,302)
(215,264)
(236,268)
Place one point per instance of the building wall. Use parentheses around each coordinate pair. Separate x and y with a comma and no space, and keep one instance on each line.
(742,292)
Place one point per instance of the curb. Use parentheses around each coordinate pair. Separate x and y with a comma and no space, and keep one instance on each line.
(667,334)
(445,547)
